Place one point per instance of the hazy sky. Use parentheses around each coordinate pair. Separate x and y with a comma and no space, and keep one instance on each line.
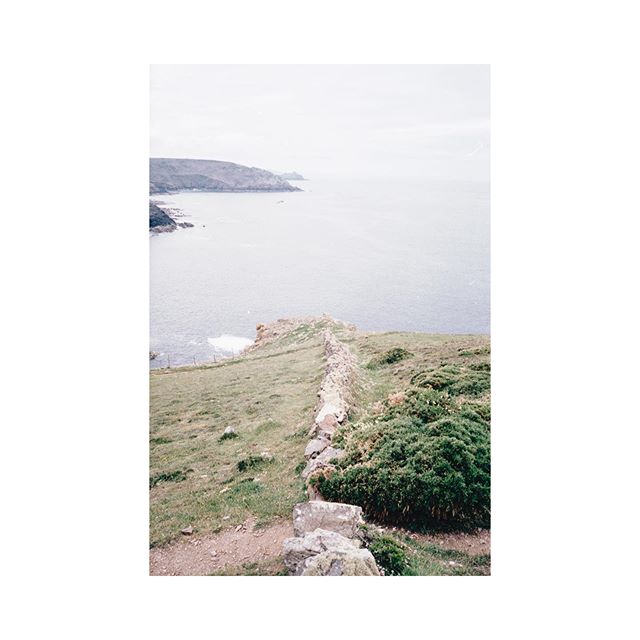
(326,120)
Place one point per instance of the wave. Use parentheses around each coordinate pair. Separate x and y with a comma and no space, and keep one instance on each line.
(229,344)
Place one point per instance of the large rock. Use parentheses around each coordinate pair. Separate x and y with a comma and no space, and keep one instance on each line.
(316,446)
(327,553)
(322,461)
(159,220)
(297,550)
(345,519)
(336,409)
(354,562)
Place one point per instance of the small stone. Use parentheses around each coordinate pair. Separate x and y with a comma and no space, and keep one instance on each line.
(228,431)
(224,490)
(239,527)
(187,531)
(226,517)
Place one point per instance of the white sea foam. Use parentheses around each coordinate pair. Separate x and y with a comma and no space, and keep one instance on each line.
(229,344)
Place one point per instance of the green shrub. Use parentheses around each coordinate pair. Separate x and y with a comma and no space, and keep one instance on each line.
(389,357)
(408,471)
(425,404)
(389,555)
(455,380)
(228,436)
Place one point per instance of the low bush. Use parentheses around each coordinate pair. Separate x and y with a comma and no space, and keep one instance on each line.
(424,474)
(229,435)
(425,404)
(455,380)
(389,357)
(389,555)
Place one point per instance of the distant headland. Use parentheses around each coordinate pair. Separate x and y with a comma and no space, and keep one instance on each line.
(167,175)
(292,175)
(170,175)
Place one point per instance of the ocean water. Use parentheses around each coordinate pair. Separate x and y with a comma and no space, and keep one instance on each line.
(406,255)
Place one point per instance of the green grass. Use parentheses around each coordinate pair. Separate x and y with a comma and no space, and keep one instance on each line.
(431,560)
(268,397)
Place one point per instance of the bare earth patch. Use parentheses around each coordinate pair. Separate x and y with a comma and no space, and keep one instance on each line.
(204,555)
(477,543)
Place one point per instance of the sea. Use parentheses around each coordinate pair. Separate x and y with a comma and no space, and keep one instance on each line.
(405,254)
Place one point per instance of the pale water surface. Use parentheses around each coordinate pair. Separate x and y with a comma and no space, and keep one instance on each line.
(406,255)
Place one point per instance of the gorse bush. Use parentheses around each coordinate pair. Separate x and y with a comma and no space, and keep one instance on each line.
(389,357)
(394,355)
(425,404)
(456,380)
(407,472)
(426,461)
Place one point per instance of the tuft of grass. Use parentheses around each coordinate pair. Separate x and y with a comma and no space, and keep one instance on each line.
(389,555)
(228,436)
(173,476)
(251,462)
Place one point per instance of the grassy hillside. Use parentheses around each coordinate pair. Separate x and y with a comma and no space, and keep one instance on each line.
(200,479)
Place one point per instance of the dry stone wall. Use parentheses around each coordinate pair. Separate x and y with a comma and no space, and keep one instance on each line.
(328,534)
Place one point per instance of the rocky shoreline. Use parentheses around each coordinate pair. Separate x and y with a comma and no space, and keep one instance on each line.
(161,222)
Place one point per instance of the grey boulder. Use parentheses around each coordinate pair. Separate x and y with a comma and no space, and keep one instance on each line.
(345,519)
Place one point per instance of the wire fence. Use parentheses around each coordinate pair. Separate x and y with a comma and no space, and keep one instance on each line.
(164,360)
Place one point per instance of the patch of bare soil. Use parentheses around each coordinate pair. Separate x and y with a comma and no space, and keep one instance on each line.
(476,543)
(202,555)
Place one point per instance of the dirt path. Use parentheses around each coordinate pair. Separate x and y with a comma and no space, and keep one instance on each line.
(476,543)
(203,555)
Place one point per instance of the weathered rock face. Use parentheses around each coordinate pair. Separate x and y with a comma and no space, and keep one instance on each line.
(345,519)
(297,550)
(355,562)
(172,174)
(159,220)
(327,553)
(316,446)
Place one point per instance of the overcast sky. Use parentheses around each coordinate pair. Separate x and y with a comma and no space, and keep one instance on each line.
(326,120)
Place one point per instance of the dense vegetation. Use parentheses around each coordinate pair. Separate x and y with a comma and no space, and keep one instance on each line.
(424,460)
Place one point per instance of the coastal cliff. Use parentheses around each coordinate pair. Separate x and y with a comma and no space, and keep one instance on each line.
(159,220)
(168,175)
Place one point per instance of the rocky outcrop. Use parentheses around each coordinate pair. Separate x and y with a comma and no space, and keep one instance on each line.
(159,220)
(292,175)
(168,175)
